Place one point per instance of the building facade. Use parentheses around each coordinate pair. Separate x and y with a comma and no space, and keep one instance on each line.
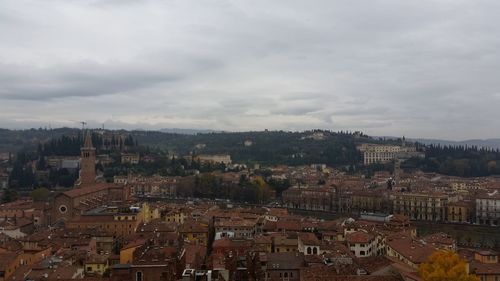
(488,208)
(374,153)
(310,198)
(421,206)
(87,162)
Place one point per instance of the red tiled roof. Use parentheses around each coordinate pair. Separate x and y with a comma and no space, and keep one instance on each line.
(308,238)
(412,250)
(193,227)
(135,243)
(285,261)
(440,238)
(231,243)
(484,268)
(288,225)
(92,218)
(82,190)
(262,239)
(359,237)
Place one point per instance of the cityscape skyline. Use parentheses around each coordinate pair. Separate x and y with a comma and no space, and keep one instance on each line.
(217,140)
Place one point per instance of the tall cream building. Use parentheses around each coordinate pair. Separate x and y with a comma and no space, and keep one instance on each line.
(375,153)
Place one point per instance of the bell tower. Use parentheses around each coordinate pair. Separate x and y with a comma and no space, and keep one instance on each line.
(87,161)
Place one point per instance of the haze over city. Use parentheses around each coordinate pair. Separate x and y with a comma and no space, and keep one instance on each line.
(420,69)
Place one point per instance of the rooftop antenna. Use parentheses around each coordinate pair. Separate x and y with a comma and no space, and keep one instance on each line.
(83,129)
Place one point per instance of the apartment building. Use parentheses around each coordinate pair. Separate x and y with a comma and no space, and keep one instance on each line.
(111,224)
(459,212)
(310,198)
(488,208)
(374,153)
(213,158)
(130,158)
(362,244)
(421,206)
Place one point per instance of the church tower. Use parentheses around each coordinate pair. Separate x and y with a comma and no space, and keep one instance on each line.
(87,162)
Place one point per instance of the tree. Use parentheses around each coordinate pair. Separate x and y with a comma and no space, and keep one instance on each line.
(262,189)
(9,195)
(40,194)
(445,266)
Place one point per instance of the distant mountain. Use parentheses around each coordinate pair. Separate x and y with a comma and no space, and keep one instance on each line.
(188,131)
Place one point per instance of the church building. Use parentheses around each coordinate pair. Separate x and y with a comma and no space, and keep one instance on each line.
(87,194)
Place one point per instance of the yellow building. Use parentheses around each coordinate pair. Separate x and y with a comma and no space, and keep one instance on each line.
(485,266)
(458,212)
(111,224)
(130,158)
(13,260)
(458,186)
(96,264)
(195,232)
(149,213)
(284,244)
(263,243)
(127,252)
(421,206)
(177,216)
(369,201)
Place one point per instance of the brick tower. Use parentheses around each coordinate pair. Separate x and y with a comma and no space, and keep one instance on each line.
(87,162)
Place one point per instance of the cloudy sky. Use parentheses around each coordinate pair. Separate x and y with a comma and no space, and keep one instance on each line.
(414,68)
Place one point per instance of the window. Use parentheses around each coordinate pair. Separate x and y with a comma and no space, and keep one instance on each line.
(308,250)
(138,276)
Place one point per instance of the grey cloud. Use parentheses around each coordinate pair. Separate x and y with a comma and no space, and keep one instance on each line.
(81,80)
(423,69)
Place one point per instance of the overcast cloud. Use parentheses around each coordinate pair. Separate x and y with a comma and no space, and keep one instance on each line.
(414,68)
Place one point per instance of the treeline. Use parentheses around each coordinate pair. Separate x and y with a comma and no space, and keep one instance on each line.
(63,146)
(253,189)
(162,165)
(265,147)
(31,170)
(71,145)
(336,149)
(26,176)
(461,161)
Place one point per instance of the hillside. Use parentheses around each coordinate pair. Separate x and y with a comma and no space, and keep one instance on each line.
(336,149)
